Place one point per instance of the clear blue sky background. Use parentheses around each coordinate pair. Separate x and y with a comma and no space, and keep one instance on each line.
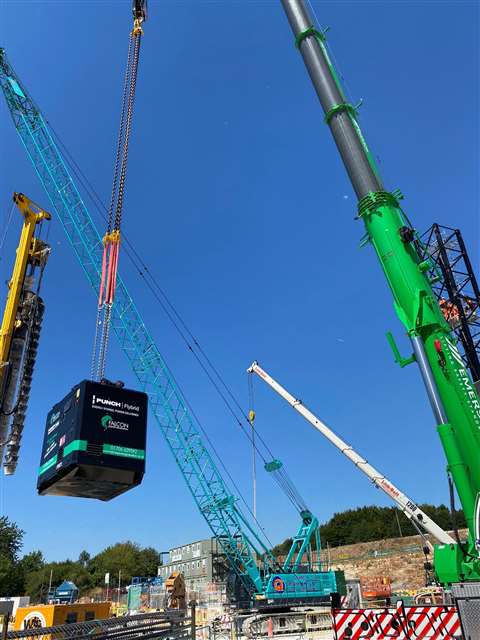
(238,201)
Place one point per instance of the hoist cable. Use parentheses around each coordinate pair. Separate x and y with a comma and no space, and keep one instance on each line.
(111,240)
(6,227)
(121,131)
(128,128)
(207,366)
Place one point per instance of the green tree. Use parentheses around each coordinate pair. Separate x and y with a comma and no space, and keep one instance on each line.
(368,523)
(283,548)
(36,582)
(127,557)
(11,542)
(11,539)
(84,558)
(32,561)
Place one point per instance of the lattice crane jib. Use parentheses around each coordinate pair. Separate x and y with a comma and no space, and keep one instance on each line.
(171,412)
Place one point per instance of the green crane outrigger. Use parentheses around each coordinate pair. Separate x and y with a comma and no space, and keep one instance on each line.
(454,400)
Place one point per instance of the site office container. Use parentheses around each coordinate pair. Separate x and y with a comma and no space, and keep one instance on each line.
(51,615)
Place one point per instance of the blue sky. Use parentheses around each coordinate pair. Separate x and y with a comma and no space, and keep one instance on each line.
(239,204)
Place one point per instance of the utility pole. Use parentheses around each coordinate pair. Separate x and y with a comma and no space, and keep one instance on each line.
(119,585)
(254,474)
(50,584)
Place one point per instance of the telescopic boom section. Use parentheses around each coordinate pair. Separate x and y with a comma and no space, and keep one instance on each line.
(454,401)
(406,504)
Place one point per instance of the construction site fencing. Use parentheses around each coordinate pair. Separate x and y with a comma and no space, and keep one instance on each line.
(398,623)
(171,625)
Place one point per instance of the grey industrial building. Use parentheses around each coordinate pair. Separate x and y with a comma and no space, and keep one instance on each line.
(202,563)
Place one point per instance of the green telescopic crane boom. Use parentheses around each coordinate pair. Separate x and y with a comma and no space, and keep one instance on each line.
(455,403)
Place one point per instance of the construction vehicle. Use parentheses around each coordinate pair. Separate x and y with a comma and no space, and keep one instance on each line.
(265,582)
(376,587)
(20,330)
(455,403)
(419,518)
(175,591)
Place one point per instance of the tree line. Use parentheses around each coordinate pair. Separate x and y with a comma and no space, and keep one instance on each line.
(30,574)
(366,524)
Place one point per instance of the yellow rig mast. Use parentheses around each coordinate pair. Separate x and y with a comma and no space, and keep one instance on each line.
(20,329)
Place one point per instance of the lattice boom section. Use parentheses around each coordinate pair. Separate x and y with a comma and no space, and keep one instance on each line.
(167,405)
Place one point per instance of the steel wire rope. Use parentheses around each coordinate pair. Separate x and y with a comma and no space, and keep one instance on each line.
(282,479)
(118,190)
(85,183)
(6,227)
(101,311)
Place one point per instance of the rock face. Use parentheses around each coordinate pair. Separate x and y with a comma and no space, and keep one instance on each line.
(400,559)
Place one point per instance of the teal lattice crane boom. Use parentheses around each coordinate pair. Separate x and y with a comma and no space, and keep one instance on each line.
(167,404)
(241,541)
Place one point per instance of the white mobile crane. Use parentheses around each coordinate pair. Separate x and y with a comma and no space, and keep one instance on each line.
(413,512)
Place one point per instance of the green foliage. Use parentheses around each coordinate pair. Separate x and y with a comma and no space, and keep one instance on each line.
(31,562)
(283,548)
(84,558)
(11,541)
(30,575)
(127,557)
(366,524)
(37,582)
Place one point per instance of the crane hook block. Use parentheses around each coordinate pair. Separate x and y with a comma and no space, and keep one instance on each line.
(94,442)
(139,10)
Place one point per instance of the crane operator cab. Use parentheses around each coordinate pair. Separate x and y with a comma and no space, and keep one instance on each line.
(94,442)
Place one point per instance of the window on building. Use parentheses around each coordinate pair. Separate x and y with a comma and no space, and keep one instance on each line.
(71,617)
(204,562)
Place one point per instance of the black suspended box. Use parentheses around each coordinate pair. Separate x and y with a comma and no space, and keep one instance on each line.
(94,444)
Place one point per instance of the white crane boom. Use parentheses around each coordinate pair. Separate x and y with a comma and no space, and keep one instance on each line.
(408,506)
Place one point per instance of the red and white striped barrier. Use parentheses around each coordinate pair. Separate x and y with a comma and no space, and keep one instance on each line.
(429,622)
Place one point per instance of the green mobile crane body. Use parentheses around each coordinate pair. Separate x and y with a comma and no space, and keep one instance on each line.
(417,308)
(454,399)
